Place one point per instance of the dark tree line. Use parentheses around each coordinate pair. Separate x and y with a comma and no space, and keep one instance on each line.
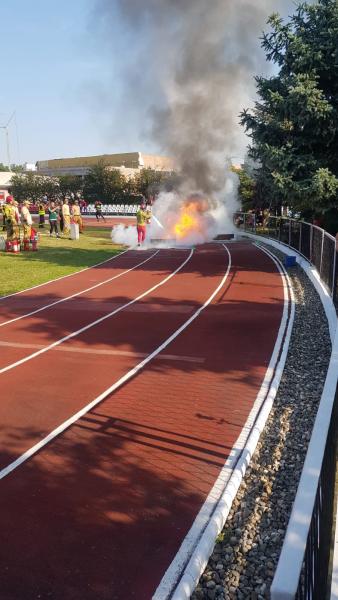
(101,183)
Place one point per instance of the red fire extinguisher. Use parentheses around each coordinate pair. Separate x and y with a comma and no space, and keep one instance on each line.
(15,246)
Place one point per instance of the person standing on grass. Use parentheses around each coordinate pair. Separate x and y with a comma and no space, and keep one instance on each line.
(3,216)
(76,214)
(98,209)
(9,213)
(16,224)
(59,207)
(42,212)
(66,218)
(143,217)
(53,213)
(27,220)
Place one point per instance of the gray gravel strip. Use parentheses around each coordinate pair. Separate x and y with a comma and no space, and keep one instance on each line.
(246,553)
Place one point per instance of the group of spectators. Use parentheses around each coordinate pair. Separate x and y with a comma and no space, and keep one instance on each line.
(59,215)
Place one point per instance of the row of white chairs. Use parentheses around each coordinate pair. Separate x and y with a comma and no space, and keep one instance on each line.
(114,209)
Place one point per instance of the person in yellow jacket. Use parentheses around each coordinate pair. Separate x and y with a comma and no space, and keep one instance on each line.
(76,214)
(3,217)
(10,218)
(66,218)
(42,213)
(27,220)
(143,217)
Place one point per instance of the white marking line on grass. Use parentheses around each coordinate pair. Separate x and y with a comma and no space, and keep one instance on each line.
(34,312)
(104,352)
(181,577)
(100,320)
(65,276)
(56,432)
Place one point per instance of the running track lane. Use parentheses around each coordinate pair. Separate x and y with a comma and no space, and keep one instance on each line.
(20,303)
(108,503)
(23,338)
(49,389)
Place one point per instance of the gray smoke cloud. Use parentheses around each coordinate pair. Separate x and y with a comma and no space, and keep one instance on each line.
(189,65)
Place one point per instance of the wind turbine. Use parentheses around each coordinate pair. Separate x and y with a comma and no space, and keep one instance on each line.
(5,127)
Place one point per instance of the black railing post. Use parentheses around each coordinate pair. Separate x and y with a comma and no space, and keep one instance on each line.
(335,276)
(321,253)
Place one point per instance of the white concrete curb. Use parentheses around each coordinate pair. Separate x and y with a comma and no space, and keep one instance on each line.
(285,583)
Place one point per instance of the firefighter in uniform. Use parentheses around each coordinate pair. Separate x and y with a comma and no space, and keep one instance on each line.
(3,216)
(76,214)
(16,228)
(143,217)
(10,218)
(66,218)
(27,221)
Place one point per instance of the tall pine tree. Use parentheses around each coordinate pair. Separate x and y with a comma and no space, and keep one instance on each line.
(294,124)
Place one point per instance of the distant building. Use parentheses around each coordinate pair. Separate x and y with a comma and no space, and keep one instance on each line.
(29,167)
(5,184)
(128,163)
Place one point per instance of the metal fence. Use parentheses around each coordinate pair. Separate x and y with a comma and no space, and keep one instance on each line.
(313,583)
(303,569)
(312,242)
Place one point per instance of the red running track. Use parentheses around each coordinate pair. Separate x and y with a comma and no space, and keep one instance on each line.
(102,510)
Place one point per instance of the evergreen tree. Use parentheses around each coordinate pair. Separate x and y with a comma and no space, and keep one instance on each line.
(294,124)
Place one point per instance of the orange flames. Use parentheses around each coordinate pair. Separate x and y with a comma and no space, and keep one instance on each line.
(190,220)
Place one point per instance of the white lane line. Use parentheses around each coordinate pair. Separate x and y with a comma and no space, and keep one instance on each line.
(65,276)
(34,312)
(56,432)
(96,322)
(181,577)
(104,352)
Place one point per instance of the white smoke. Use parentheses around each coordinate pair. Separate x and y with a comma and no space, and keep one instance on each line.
(125,235)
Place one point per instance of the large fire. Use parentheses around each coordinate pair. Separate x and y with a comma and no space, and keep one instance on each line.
(190,219)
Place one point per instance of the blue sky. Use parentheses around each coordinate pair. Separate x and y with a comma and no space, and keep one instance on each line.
(62,71)
(57,76)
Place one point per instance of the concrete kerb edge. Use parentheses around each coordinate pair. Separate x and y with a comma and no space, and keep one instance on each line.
(203,550)
(292,555)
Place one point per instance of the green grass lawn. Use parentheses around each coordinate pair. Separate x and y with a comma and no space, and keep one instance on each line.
(55,257)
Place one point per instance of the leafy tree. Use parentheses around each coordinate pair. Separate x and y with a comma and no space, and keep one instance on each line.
(14,168)
(148,181)
(17,168)
(30,186)
(69,184)
(294,124)
(103,184)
